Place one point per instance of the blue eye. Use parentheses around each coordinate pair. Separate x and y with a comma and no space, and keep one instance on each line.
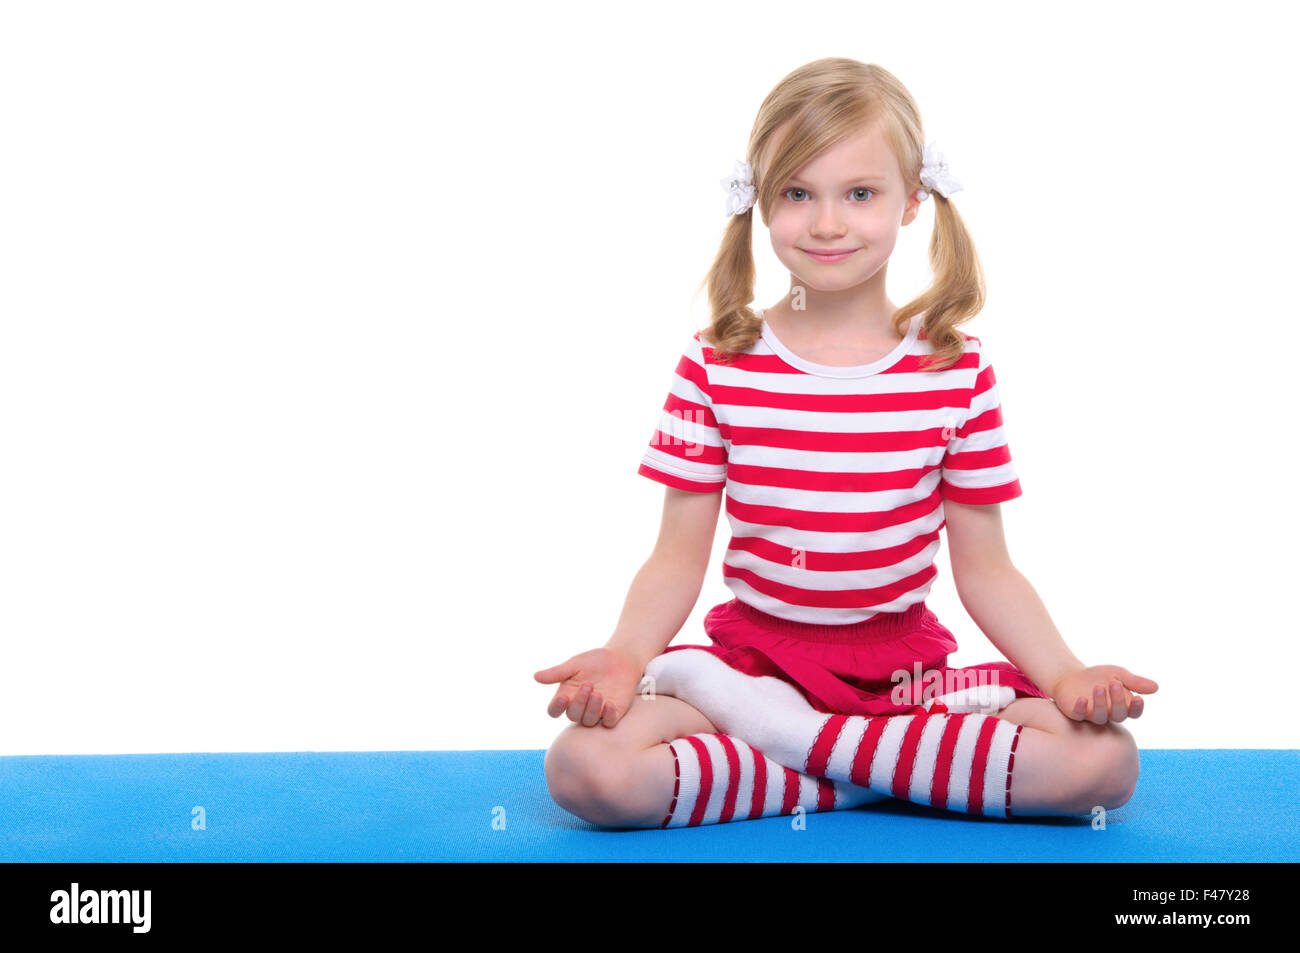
(853,192)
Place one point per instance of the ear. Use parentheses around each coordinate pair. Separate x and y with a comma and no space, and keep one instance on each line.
(912,209)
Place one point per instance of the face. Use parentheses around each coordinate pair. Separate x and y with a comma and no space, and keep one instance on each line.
(849,199)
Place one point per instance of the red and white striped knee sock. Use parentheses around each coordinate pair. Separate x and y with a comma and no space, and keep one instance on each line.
(721,778)
(956,761)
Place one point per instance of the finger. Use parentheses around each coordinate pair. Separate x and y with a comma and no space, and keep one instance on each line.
(562,700)
(579,703)
(1099,712)
(1135,706)
(1080,712)
(592,714)
(556,673)
(1118,702)
(611,716)
(558,703)
(1137,683)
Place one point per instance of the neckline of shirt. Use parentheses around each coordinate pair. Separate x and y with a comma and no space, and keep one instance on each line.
(831,370)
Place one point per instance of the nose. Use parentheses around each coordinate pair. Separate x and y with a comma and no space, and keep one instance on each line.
(828,222)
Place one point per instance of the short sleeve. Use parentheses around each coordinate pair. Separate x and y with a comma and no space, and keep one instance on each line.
(977,465)
(686,450)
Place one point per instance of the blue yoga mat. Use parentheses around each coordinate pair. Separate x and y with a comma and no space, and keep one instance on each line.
(1198,805)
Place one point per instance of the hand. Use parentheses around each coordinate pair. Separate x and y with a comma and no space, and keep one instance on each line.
(597,686)
(1101,693)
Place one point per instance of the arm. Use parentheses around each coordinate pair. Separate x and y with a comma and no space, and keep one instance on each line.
(1008,610)
(598,685)
(665,590)
(689,456)
(1000,599)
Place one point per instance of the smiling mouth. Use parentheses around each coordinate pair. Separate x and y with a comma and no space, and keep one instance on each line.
(828,254)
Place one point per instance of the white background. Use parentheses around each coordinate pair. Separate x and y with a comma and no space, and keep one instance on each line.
(333,334)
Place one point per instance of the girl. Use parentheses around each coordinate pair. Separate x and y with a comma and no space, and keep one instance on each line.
(845,433)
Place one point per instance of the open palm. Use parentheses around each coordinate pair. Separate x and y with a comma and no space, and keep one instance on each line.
(596,686)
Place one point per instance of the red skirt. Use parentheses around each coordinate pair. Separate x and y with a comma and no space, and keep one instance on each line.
(891,664)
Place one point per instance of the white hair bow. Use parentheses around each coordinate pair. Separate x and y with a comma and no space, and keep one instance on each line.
(935,175)
(740,189)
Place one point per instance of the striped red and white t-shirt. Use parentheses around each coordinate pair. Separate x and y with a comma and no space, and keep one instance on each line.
(835,477)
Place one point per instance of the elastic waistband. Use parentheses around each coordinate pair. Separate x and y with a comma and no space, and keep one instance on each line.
(881,626)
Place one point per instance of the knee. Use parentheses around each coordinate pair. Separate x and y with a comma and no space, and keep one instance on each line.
(584,776)
(1114,767)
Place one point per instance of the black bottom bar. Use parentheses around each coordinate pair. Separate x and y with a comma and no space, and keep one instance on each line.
(937,901)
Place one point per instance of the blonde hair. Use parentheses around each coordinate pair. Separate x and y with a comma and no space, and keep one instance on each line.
(812,109)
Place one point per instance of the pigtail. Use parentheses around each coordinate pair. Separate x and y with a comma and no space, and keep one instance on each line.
(734,327)
(957,292)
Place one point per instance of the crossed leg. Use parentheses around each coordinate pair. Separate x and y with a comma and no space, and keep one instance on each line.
(1067,767)
(625,776)
(622,776)
(975,762)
